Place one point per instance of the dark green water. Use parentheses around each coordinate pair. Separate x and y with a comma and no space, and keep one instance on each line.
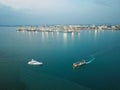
(58,51)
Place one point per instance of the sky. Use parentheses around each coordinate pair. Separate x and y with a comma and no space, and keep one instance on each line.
(35,12)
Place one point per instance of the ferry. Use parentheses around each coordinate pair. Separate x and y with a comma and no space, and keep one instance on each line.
(34,62)
(79,63)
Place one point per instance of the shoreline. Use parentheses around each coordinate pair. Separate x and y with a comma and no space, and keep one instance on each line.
(67,28)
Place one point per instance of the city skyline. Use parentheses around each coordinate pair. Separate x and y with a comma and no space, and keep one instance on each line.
(59,12)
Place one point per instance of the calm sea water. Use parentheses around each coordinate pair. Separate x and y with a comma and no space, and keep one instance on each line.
(58,51)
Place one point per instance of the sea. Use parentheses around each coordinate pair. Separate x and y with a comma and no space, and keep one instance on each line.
(58,51)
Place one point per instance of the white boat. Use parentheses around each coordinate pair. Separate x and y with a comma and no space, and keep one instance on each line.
(34,62)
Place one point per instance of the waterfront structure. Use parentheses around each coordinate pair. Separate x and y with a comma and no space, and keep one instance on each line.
(68,28)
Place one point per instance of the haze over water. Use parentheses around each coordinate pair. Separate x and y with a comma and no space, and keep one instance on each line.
(58,51)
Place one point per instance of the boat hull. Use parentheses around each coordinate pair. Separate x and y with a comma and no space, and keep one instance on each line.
(34,62)
(78,64)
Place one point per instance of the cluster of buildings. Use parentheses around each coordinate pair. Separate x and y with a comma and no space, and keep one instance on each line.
(68,28)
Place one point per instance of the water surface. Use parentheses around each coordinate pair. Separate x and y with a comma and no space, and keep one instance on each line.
(58,51)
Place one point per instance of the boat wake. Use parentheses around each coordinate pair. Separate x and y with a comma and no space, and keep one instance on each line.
(90,61)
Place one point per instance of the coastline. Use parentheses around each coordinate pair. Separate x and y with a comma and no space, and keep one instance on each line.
(67,28)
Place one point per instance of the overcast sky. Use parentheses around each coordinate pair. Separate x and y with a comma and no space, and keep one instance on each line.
(59,12)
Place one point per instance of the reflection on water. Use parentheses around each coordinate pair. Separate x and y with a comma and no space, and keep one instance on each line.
(65,37)
(57,33)
(79,35)
(43,36)
(72,35)
(46,33)
(95,33)
(29,35)
(52,34)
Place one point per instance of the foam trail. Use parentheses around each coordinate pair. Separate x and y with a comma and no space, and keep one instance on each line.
(90,61)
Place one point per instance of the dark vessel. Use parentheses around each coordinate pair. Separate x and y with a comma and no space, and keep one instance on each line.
(79,63)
